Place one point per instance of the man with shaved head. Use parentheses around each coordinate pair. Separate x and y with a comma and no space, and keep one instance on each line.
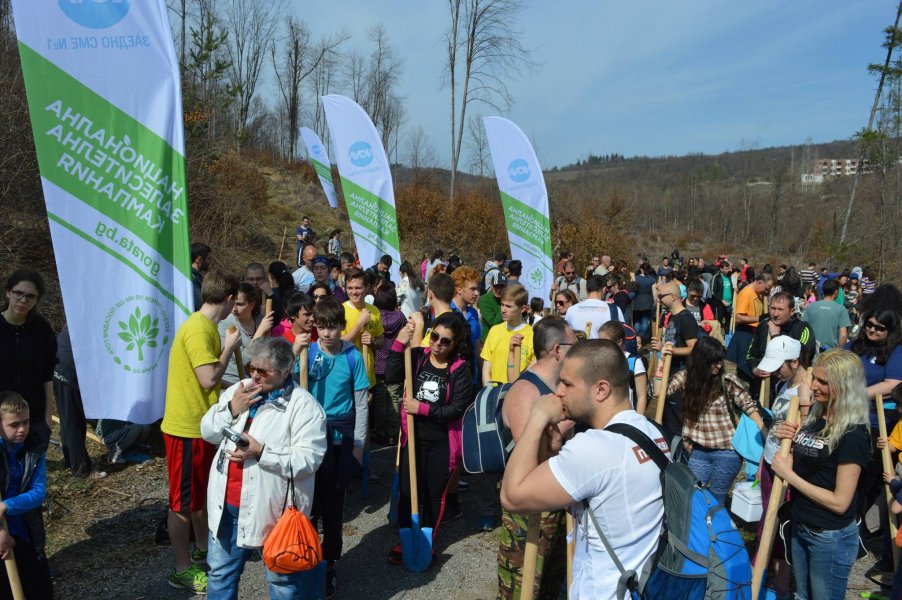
(682,331)
(598,469)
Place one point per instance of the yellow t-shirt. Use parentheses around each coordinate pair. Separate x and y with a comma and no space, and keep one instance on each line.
(374,328)
(196,343)
(895,438)
(497,349)
(749,304)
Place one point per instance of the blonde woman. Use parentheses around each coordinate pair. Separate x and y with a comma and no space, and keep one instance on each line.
(829,451)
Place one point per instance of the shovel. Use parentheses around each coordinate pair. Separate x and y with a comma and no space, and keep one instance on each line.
(662,391)
(777,494)
(887,467)
(395,487)
(416,542)
(12,571)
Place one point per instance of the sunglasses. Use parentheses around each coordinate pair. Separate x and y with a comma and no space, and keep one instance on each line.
(569,272)
(441,341)
(876,326)
(319,297)
(561,302)
(251,369)
(662,296)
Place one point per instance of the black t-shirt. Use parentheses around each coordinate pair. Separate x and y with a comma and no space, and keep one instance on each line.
(812,462)
(431,387)
(680,328)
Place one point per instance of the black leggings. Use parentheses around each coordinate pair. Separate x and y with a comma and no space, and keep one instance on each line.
(432,481)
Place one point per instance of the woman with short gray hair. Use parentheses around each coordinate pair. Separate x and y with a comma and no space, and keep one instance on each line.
(281,433)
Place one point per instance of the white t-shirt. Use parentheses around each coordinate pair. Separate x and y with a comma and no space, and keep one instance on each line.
(780,408)
(624,493)
(638,369)
(597,312)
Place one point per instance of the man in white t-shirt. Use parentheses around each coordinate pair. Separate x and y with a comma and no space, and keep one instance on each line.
(621,484)
(593,310)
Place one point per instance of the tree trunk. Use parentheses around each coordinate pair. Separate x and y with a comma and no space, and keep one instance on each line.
(864,143)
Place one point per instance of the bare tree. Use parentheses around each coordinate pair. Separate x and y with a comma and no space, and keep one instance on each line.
(893,39)
(320,84)
(478,145)
(483,32)
(252,25)
(420,153)
(383,106)
(292,65)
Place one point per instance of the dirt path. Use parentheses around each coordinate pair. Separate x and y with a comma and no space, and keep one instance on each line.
(101,543)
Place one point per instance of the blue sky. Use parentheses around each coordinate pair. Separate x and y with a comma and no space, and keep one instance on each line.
(644,77)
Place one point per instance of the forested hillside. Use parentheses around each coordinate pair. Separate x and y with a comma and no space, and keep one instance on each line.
(248,183)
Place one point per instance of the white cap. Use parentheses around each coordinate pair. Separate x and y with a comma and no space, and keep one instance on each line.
(779,349)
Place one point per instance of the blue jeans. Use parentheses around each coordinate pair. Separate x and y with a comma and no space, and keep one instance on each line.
(226,560)
(821,561)
(716,468)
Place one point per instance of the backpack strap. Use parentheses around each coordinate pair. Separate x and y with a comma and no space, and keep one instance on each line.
(627,582)
(534,379)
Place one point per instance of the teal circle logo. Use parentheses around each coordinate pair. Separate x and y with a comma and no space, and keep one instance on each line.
(361,154)
(518,170)
(95,14)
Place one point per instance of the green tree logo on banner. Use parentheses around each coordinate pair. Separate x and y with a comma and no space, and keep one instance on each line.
(139,332)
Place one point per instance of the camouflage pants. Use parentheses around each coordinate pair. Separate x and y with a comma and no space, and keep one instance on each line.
(551,564)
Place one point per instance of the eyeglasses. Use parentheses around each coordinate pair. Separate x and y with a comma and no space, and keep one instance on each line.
(20,295)
(662,296)
(875,326)
(435,338)
(251,369)
(569,272)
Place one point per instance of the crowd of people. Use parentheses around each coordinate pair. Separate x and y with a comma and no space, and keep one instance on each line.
(337,356)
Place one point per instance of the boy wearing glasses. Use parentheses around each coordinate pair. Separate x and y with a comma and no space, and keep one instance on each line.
(197,362)
(513,335)
(339,382)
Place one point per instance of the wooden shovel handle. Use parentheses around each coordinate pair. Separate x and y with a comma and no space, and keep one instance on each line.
(533,531)
(888,468)
(239,362)
(303,376)
(777,493)
(662,391)
(411,448)
(12,571)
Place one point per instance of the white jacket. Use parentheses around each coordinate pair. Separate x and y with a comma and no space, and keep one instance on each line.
(292,432)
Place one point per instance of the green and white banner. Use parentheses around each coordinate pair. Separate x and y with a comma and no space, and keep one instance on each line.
(320,161)
(525,202)
(104,97)
(365,182)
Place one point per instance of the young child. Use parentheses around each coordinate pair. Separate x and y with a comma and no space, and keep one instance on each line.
(23,468)
(506,337)
(338,380)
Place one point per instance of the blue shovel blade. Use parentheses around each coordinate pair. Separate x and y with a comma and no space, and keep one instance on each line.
(726,339)
(393,503)
(416,545)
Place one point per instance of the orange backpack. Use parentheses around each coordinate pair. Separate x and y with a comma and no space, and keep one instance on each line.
(293,544)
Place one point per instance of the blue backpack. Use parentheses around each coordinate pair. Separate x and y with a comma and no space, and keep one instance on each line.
(486,443)
(700,554)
